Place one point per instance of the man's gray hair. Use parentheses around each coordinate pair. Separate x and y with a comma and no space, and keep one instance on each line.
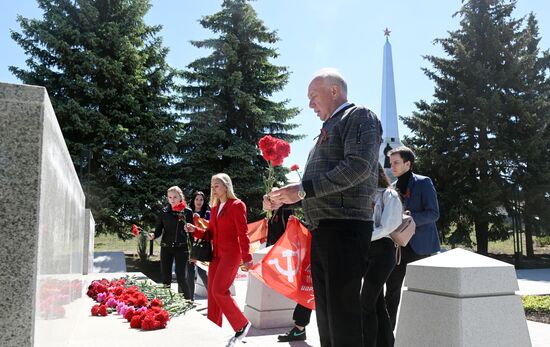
(333,76)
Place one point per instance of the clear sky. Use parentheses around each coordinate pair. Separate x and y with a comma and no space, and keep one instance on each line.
(345,34)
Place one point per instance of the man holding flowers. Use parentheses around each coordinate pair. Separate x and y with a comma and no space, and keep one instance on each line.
(339,182)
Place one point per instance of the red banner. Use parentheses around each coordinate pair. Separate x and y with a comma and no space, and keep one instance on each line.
(257,233)
(200,222)
(286,268)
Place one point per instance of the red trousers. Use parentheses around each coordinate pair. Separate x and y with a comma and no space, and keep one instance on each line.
(221,274)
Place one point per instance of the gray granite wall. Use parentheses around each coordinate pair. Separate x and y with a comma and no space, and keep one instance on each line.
(88,249)
(42,217)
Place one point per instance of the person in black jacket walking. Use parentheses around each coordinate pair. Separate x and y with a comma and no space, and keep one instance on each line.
(175,241)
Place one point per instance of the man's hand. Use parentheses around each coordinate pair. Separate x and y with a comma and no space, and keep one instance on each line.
(269,205)
(286,195)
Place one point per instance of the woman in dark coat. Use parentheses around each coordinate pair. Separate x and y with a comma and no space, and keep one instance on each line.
(175,242)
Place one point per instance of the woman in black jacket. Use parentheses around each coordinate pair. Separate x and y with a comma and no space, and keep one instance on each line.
(175,241)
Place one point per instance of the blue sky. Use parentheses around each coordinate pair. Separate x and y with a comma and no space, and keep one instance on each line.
(345,34)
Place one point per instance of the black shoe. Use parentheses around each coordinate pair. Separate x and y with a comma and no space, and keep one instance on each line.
(241,334)
(294,334)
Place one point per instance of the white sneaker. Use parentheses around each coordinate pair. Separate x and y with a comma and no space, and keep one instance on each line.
(231,342)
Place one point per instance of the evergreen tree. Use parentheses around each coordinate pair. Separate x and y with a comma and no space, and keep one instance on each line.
(107,77)
(460,136)
(227,103)
(528,137)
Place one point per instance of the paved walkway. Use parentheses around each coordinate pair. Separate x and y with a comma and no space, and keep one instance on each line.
(533,282)
(194,329)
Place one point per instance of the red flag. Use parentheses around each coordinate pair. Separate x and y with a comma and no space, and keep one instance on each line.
(200,222)
(257,233)
(286,268)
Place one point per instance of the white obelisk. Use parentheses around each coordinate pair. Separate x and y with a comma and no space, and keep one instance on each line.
(390,138)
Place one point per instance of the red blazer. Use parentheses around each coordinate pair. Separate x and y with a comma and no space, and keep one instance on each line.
(228,230)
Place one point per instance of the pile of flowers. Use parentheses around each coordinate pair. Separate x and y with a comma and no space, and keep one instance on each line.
(132,300)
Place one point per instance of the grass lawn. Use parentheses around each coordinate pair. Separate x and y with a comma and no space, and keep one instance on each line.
(150,267)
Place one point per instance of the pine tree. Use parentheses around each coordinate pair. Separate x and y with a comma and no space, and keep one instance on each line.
(460,136)
(227,103)
(528,137)
(109,83)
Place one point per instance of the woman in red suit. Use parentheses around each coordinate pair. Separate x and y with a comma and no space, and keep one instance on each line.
(228,231)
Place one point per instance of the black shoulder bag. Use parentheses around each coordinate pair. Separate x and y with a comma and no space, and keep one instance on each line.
(201,249)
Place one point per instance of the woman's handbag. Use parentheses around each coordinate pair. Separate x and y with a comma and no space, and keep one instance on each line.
(403,233)
(201,249)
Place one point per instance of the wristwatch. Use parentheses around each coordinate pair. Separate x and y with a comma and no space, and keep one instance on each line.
(302,193)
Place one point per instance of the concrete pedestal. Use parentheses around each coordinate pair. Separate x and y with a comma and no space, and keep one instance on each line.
(459,298)
(265,308)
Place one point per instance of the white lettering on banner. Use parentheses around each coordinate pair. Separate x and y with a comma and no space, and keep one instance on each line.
(290,273)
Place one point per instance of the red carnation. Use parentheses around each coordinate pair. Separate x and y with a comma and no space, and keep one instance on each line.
(274,151)
(267,146)
(179,207)
(103,310)
(295,167)
(135,322)
(130,313)
(95,310)
(155,303)
(163,317)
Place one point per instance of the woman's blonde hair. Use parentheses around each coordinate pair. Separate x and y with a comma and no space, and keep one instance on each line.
(177,190)
(226,180)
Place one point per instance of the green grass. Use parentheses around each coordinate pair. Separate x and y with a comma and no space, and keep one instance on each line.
(113,243)
(536,303)
(106,243)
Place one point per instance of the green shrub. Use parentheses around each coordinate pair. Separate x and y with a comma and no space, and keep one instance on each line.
(542,241)
(536,303)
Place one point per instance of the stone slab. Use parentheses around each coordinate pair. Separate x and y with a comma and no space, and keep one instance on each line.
(461,273)
(89,243)
(41,214)
(109,262)
(262,298)
(268,319)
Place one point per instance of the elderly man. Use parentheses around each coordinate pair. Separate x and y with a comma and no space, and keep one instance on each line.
(337,190)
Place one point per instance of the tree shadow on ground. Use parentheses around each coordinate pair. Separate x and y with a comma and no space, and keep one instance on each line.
(149,267)
(538,261)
